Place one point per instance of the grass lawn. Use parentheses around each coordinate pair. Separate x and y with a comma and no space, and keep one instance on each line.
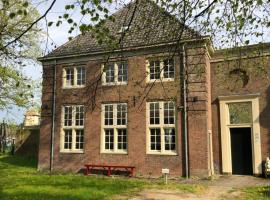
(19,179)
(258,193)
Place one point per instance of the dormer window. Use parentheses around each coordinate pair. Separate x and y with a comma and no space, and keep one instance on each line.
(115,73)
(123,29)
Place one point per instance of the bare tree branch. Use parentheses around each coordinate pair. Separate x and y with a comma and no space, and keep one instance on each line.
(26,30)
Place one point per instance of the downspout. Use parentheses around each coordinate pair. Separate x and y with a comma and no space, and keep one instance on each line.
(210,153)
(185,111)
(53,118)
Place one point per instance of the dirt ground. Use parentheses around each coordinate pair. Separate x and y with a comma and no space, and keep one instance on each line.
(224,187)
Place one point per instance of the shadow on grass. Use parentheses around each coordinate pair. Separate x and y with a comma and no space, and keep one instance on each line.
(18,161)
(67,187)
(41,196)
(19,180)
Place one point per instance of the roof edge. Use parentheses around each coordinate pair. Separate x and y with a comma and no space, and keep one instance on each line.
(248,51)
(203,38)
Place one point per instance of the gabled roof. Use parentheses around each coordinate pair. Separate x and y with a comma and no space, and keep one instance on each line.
(150,25)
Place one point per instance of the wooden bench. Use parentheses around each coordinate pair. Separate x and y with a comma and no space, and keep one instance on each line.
(109,168)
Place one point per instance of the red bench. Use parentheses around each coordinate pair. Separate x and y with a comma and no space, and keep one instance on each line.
(109,168)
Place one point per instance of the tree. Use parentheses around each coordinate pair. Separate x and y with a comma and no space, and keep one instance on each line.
(230,23)
(17,51)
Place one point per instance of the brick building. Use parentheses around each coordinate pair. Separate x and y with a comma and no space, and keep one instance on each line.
(155,102)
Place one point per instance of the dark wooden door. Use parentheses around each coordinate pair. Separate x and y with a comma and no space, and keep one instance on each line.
(241,151)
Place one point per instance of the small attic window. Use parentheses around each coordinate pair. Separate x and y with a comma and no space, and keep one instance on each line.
(123,29)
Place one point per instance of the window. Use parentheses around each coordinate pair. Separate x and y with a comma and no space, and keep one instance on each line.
(154,70)
(68,116)
(155,139)
(114,128)
(115,73)
(79,139)
(80,76)
(109,73)
(72,137)
(240,113)
(122,139)
(169,139)
(154,113)
(108,115)
(69,77)
(168,68)
(121,114)
(73,77)
(68,139)
(160,69)
(122,72)
(168,113)
(161,127)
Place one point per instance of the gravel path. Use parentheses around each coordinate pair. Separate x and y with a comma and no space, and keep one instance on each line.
(224,187)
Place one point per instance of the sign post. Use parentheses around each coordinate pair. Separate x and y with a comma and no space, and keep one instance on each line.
(166,173)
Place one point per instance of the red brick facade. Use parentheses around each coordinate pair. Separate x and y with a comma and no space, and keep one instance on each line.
(134,94)
(256,62)
(204,85)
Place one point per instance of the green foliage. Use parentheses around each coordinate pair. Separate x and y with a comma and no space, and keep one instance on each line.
(15,88)
(258,193)
(230,23)
(50,23)
(16,16)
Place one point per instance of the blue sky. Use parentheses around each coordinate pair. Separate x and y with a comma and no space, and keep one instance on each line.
(56,37)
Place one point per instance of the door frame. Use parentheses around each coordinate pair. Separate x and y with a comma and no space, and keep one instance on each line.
(226,136)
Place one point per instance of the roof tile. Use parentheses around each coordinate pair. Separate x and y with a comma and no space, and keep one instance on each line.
(149,25)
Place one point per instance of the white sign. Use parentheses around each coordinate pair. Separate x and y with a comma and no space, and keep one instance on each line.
(165,171)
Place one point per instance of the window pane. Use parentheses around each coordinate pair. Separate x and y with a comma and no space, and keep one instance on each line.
(169,114)
(109,139)
(109,72)
(69,77)
(169,138)
(121,114)
(67,116)
(122,139)
(68,139)
(169,68)
(108,117)
(80,75)
(154,113)
(155,139)
(79,116)
(79,139)
(122,72)
(240,113)
(154,70)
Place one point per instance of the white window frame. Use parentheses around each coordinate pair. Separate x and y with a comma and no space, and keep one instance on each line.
(116,82)
(162,78)
(75,77)
(161,126)
(115,127)
(73,128)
